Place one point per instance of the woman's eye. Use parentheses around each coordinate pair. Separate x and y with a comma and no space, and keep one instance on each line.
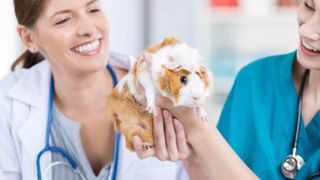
(309,4)
(95,10)
(62,21)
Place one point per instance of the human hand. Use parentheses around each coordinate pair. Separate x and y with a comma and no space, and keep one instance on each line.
(187,115)
(169,139)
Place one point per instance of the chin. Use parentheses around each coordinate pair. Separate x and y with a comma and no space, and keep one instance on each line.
(99,65)
(308,62)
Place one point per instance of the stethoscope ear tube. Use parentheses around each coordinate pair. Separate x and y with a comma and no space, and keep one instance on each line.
(292,163)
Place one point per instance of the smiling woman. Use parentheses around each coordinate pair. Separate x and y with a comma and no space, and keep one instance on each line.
(84,32)
(53,120)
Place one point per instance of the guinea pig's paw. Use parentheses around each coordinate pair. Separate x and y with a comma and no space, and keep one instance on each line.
(202,114)
(152,110)
(147,146)
(204,119)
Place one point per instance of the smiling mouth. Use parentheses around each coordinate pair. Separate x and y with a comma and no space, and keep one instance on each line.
(91,48)
(308,50)
(307,46)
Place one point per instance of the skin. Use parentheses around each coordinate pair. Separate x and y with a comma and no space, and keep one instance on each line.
(309,31)
(212,157)
(65,25)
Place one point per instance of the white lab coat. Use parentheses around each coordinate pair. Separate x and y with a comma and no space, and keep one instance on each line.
(23,120)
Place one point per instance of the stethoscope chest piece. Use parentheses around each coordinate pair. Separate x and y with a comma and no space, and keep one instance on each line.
(290,166)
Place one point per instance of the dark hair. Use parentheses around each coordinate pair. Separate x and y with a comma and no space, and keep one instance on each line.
(27,13)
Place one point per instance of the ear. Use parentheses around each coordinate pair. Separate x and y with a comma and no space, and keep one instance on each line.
(27,39)
(172,66)
(148,57)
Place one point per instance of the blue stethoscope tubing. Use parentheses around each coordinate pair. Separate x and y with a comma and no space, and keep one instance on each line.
(72,162)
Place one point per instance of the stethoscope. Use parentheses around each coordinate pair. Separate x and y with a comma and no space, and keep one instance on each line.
(72,165)
(293,162)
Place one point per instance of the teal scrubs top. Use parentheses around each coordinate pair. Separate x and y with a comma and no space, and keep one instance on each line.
(259,116)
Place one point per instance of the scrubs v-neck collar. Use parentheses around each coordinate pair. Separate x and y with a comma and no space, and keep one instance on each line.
(309,137)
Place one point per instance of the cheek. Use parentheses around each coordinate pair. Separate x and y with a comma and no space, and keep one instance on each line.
(56,45)
(103,28)
(56,42)
(103,25)
(303,17)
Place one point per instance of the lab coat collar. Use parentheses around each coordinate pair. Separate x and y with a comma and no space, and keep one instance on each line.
(29,88)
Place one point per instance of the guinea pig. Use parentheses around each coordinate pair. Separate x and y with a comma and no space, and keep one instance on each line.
(171,69)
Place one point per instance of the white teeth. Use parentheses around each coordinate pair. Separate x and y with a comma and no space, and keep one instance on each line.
(88,47)
(309,47)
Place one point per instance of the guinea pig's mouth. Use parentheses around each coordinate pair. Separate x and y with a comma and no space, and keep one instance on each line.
(192,103)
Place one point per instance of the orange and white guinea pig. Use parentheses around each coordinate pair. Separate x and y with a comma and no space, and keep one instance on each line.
(171,69)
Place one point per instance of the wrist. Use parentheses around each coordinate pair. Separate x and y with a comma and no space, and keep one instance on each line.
(198,131)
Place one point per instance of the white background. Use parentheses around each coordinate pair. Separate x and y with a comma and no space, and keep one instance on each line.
(227,38)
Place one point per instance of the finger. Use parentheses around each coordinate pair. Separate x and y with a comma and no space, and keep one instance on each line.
(170,137)
(159,137)
(140,150)
(182,143)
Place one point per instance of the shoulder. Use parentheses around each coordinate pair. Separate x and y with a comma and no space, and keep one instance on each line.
(9,81)
(265,68)
(121,63)
(256,83)
(121,60)
(23,85)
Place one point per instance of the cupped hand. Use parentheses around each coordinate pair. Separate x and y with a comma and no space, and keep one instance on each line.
(169,139)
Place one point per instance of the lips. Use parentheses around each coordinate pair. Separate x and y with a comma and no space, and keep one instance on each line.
(308,50)
(89,48)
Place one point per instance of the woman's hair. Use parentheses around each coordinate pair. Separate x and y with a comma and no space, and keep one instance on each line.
(27,13)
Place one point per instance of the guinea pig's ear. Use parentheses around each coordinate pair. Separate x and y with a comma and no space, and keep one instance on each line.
(148,57)
(172,66)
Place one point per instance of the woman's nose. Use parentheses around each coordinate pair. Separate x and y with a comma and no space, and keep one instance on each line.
(86,27)
(311,28)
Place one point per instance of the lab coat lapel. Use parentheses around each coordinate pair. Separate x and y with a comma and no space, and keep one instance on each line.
(31,106)
(32,136)
(127,160)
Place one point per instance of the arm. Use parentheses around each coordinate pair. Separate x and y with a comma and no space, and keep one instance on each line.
(213,158)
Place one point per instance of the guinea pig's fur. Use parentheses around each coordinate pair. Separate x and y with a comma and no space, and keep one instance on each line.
(170,69)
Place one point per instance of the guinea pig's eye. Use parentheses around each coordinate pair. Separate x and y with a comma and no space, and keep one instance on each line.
(184,79)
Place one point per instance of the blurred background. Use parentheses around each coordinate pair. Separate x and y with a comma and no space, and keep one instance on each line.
(228,33)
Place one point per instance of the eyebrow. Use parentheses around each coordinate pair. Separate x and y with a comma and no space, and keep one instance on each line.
(67,10)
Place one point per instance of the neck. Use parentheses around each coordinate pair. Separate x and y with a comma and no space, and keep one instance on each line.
(311,93)
(85,94)
(313,86)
